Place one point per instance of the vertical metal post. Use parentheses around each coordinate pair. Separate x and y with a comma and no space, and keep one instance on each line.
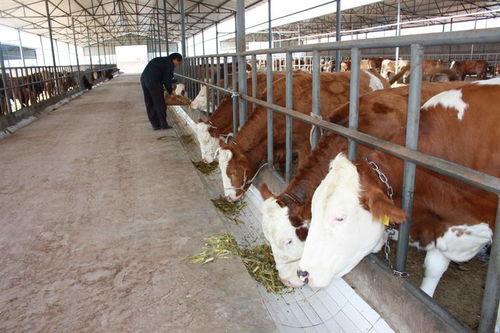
(241,47)
(216,38)
(52,46)
(270,128)
(43,51)
(183,27)
(471,47)
(90,50)
(98,51)
(166,26)
(353,100)
(194,46)
(315,94)
(5,82)
(69,54)
(398,33)
(76,52)
(234,97)
(269,28)
(217,80)
(226,74)
(338,59)
(412,126)
(212,75)
(158,25)
(203,41)
(289,120)
(21,47)
(489,306)
(254,78)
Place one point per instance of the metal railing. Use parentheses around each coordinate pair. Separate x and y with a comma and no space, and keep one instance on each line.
(22,87)
(408,153)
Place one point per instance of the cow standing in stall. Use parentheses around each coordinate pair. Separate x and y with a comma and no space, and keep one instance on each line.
(470,67)
(286,217)
(220,125)
(451,220)
(239,160)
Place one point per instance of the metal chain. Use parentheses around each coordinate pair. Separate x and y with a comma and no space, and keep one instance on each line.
(382,177)
(389,229)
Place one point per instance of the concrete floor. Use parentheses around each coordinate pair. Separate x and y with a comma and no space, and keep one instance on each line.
(97,212)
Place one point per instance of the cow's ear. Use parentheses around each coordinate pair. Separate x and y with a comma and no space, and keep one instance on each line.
(382,208)
(265,192)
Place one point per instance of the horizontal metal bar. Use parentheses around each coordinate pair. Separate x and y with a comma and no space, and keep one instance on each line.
(481,180)
(444,38)
(229,91)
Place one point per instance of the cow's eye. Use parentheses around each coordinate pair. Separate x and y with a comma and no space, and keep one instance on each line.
(288,242)
(339,219)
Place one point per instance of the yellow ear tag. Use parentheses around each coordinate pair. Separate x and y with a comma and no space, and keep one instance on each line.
(385,220)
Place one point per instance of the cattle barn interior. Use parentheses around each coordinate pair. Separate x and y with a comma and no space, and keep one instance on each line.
(329,166)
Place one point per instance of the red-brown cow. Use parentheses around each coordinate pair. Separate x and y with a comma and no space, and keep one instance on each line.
(470,67)
(451,220)
(240,159)
(220,124)
(285,217)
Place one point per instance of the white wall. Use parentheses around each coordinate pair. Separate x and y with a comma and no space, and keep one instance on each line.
(131,58)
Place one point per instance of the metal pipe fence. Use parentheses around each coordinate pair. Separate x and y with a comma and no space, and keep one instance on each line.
(408,153)
(22,87)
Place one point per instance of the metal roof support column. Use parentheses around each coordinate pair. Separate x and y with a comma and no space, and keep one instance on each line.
(43,52)
(269,28)
(216,38)
(337,36)
(4,80)
(240,48)
(202,41)
(21,47)
(183,28)
(158,25)
(194,47)
(166,24)
(52,44)
(398,33)
(76,51)
(90,48)
(98,51)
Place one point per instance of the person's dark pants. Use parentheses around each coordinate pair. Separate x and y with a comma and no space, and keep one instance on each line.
(155,103)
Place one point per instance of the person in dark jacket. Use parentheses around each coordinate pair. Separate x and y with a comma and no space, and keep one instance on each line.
(158,73)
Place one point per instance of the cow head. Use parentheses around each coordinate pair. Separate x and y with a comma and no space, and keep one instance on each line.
(235,171)
(208,144)
(200,101)
(284,223)
(346,224)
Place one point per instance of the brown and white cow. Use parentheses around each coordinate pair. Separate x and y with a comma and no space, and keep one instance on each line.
(239,160)
(220,124)
(286,217)
(388,68)
(470,67)
(451,220)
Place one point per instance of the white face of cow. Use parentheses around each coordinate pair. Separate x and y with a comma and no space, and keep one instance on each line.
(200,101)
(342,232)
(208,144)
(286,246)
(225,156)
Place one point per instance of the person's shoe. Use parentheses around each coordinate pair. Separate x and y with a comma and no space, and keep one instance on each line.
(165,127)
(156,128)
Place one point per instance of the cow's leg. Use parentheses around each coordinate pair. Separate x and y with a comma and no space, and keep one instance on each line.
(435,265)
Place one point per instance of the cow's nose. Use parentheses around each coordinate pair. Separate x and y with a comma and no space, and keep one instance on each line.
(230,199)
(303,276)
(204,160)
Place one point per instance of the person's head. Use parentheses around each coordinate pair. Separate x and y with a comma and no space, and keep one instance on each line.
(176,58)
